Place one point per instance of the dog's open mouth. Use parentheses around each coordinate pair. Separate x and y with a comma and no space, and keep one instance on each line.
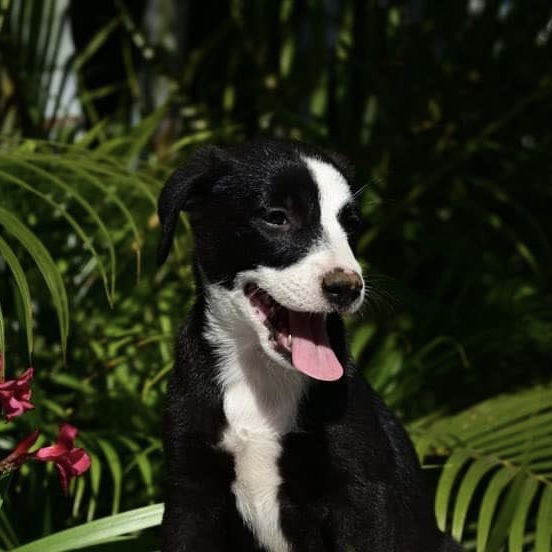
(300,337)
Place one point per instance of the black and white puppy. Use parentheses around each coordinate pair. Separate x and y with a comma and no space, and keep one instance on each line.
(273,441)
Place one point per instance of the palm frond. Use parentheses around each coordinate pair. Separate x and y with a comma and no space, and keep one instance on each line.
(498,470)
(21,281)
(46,266)
(94,194)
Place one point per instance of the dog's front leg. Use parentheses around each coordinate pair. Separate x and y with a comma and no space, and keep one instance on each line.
(194,521)
(199,502)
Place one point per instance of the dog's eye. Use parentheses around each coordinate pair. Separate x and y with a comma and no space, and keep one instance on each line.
(276,217)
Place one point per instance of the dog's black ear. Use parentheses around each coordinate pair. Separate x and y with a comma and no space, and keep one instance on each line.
(185,190)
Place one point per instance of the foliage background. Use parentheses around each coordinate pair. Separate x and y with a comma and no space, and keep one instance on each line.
(445,110)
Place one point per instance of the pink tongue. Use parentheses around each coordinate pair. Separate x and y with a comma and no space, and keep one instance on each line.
(310,348)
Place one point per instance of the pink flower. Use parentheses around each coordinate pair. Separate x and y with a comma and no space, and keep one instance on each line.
(15,395)
(70,461)
(20,453)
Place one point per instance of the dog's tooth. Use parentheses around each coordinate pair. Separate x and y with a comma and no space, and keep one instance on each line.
(289,341)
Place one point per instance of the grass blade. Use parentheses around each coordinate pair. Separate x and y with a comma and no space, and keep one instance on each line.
(98,531)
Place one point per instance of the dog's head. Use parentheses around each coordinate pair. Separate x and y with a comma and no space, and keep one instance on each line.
(273,224)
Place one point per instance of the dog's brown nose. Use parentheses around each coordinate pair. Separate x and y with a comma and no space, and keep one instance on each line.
(341,288)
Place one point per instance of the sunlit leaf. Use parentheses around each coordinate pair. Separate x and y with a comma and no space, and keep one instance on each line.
(46,266)
(99,531)
(21,281)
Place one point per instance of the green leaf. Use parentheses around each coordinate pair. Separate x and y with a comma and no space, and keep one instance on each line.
(518,528)
(465,494)
(97,41)
(543,532)
(98,531)
(70,219)
(95,480)
(46,266)
(5,481)
(80,485)
(21,281)
(506,514)
(7,534)
(444,490)
(2,336)
(114,465)
(512,434)
(72,382)
(141,460)
(92,134)
(488,506)
(361,338)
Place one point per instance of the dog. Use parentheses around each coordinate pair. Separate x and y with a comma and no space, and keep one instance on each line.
(273,441)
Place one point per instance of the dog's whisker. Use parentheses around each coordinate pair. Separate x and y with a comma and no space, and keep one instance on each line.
(359,192)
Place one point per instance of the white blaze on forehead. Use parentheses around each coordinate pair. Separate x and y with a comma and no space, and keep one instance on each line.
(334,195)
(332,187)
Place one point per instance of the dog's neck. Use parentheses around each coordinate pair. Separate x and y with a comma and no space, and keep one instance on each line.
(248,377)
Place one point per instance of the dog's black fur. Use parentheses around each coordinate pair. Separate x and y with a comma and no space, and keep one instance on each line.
(350,477)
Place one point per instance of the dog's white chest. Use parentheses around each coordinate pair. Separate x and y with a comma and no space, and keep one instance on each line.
(253,438)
